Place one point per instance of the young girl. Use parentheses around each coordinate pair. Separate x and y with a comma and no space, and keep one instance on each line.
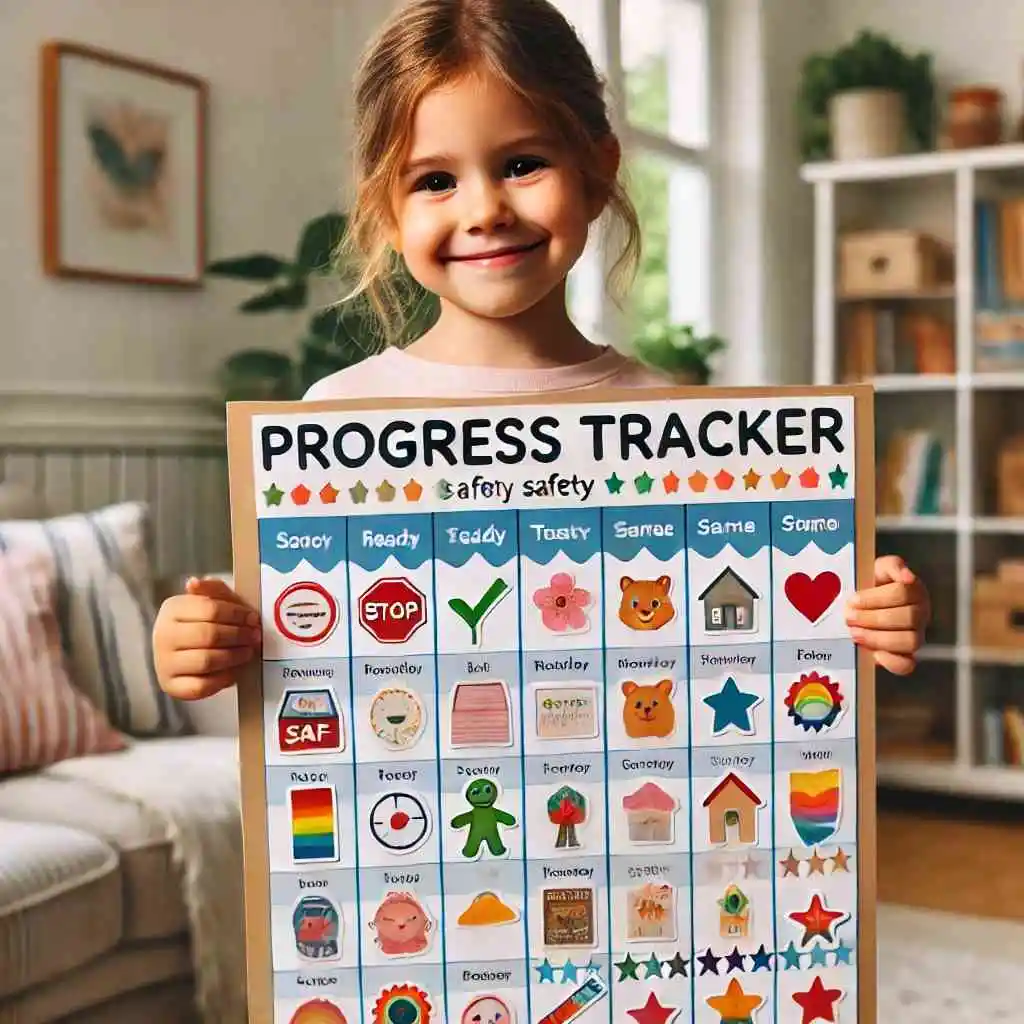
(485,155)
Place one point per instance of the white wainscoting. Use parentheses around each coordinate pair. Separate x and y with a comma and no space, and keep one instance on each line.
(77,450)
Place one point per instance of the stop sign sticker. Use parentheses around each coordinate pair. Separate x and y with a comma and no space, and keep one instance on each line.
(392,609)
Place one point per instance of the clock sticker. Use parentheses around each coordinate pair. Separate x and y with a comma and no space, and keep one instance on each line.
(306,613)
(400,822)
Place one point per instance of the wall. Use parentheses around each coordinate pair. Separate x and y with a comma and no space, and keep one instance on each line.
(278,75)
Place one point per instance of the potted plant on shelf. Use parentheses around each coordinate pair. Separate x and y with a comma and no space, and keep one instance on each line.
(678,351)
(337,335)
(867,98)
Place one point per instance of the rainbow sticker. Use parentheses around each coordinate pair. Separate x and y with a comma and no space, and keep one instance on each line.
(814,799)
(314,815)
(814,702)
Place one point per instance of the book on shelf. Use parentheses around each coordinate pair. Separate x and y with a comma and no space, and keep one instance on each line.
(1002,735)
(999,284)
(916,476)
(875,340)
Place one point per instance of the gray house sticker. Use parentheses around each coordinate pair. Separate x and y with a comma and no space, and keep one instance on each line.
(730,604)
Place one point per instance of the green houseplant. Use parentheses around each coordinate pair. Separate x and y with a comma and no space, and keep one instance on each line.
(337,334)
(678,351)
(871,67)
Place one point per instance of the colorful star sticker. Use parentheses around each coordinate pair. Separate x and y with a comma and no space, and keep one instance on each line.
(751,480)
(698,482)
(762,959)
(780,478)
(652,1012)
(842,952)
(840,860)
(817,919)
(670,482)
(569,971)
(809,478)
(818,958)
(791,956)
(735,1006)
(546,970)
(837,478)
(328,494)
(358,492)
(385,492)
(732,707)
(677,965)
(817,864)
(413,490)
(273,495)
(652,967)
(301,495)
(614,484)
(627,968)
(708,963)
(724,480)
(643,483)
(790,866)
(818,1002)
(734,960)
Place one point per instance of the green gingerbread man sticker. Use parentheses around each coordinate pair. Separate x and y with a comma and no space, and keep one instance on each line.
(483,819)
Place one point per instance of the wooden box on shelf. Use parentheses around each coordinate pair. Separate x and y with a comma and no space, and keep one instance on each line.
(998,619)
(1010,477)
(896,261)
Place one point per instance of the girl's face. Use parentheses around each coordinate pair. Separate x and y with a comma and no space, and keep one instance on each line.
(491,210)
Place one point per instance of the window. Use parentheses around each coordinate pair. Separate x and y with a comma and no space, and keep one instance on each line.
(741,615)
(716,616)
(654,54)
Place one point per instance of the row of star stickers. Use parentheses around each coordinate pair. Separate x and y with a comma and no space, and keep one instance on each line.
(816,864)
(761,959)
(735,1006)
(698,482)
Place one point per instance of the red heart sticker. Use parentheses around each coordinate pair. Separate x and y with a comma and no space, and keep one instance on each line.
(812,598)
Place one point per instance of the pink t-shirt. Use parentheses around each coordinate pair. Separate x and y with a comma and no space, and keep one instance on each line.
(395,373)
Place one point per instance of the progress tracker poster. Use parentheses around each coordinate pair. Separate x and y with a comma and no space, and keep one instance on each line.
(557,718)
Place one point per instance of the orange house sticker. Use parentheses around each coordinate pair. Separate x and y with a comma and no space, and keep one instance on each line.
(732,812)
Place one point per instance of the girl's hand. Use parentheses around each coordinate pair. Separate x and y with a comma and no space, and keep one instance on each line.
(890,617)
(200,638)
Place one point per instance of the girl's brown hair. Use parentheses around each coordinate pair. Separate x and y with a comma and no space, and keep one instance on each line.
(526,44)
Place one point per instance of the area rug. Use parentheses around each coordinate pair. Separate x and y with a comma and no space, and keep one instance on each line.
(935,966)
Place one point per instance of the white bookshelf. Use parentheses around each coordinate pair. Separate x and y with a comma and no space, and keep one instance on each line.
(935,192)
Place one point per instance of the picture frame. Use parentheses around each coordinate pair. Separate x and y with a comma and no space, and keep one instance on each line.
(123,152)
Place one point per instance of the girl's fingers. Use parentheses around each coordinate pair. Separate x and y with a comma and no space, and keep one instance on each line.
(194,636)
(196,608)
(887,595)
(893,641)
(897,664)
(908,616)
(198,687)
(210,661)
(892,569)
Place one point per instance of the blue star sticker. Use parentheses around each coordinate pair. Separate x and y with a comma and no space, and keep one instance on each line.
(818,956)
(546,970)
(762,959)
(732,707)
(569,971)
(842,952)
(593,967)
(791,956)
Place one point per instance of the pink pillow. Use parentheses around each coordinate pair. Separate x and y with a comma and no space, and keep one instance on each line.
(43,718)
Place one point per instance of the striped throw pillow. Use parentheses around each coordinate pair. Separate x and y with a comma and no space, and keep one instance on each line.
(43,718)
(105,610)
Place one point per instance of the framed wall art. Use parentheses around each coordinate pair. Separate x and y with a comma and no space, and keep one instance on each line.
(123,168)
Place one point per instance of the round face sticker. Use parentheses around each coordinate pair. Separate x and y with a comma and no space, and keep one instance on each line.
(400,822)
(487,1010)
(397,718)
(306,613)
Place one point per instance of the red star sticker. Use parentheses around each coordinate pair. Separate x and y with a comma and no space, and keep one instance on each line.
(301,494)
(723,480)
(818,1002)
(816,920)
(698,481)
(671,482)
(328,494)
(652,1012)
(809,477)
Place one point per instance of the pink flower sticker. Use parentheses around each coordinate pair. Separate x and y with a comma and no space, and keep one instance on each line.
(561,604)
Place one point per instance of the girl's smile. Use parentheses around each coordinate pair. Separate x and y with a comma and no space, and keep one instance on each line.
(500,257)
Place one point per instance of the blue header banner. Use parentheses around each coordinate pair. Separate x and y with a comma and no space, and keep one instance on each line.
(661,529)
(373,539)
(460,535)
(711,528)
(829,524)
(286,543)
(576,532)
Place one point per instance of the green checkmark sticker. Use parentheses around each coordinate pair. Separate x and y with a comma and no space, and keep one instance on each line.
(473,615)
